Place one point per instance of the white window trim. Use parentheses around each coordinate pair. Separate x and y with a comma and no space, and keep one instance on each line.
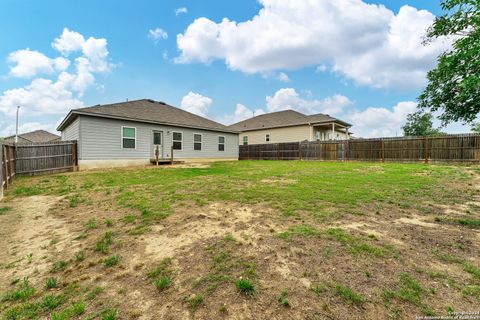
(201,141)
(269,138)
(243,142)
(224,143)
(121,140)
(181,132)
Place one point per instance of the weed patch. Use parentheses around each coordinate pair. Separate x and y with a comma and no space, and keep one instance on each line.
(349,294)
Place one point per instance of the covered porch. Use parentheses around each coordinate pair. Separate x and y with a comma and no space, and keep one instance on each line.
(329,131)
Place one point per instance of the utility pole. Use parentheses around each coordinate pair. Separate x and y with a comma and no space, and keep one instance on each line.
(16,127)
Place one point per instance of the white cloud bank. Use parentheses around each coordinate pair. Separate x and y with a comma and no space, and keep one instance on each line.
(196,103)
(64,88)
(368,123)
(364,42)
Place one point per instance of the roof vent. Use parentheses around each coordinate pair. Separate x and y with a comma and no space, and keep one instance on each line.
(150,100)
(161,102)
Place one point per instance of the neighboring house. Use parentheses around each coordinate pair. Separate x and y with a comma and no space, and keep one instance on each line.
(37,136)
(291,126)
(129,133)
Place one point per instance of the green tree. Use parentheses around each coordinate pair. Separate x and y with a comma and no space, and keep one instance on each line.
(420,124)
(476,127)
(454,85)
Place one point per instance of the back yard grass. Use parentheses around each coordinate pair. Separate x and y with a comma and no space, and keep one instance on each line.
(243,240)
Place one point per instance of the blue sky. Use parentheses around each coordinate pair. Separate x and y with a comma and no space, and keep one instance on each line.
(356,60)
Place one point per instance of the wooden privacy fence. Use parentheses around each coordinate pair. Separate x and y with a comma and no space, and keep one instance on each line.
(36,158)
(7,167)
(49,157)
(447,148)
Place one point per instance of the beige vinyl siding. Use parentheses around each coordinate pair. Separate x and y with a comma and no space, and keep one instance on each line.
(286,134)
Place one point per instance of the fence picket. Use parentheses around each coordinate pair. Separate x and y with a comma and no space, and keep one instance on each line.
(446,148)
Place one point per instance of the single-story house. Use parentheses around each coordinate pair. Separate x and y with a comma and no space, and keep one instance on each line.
(37,136)
(130,133)
(291,126)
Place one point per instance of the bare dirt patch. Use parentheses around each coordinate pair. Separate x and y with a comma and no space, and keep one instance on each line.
(189,226)
(30,229)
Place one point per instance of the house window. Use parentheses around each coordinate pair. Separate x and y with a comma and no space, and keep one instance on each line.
(267,138)
(157,138)
(245,140)
(318,134)
(177,140)
(221,143)
(197,141)
(129,137)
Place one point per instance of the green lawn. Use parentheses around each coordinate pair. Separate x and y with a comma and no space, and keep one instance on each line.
(291,238)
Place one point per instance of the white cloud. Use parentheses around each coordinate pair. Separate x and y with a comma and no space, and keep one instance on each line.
(196,103)
(181,10)
(365,42)
(41,96)
(157,34)
(380,122)
(63,90)
(68,42)
(288,98)
(241,113)
(282,76)
(29,63)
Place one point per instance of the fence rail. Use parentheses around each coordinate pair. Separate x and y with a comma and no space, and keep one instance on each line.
(447,148)
(35,158)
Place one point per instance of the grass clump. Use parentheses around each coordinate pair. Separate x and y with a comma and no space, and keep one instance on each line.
(473,270)
(91,224)
(196,301)
(349,294)
(162,283)
(51,301)
(94,292)
(51,283)
(109,314)
(59,266)
(104,243)
(75,310)
(80,256)
(473,223)
(282,299)
(23,293)
(111,261)
(318,288)
(162,274)
(108,222)
(245,286)
(355,244)
(300,230)
(4,210)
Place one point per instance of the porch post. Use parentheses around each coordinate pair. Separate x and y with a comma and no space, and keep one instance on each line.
(333,129)
(346,130)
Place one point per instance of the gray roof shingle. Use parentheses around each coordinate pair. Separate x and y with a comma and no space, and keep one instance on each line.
(36,136)
(149,111)
(286,118)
